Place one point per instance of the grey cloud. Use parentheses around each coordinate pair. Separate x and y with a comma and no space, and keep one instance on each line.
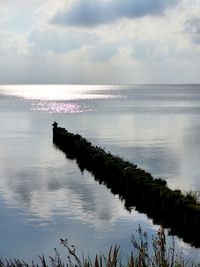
(89,13)
(59,42)
(192,27)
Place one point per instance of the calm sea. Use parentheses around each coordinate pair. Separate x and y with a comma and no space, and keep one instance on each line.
(45,197)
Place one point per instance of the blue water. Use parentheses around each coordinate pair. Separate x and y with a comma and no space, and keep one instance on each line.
(45,197)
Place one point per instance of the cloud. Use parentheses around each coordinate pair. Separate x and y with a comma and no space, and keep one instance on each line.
(159,47)
(12,43)
(89,13)
(103,51)
(149,50)
(192,27)
(59,41)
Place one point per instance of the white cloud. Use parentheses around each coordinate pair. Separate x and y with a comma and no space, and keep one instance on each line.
(59,41)
(12,43)
(103,51)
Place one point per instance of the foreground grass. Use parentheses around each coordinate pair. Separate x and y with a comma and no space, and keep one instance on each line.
(162,256)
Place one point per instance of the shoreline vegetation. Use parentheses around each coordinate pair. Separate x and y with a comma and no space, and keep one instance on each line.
(137,188)
(145,253)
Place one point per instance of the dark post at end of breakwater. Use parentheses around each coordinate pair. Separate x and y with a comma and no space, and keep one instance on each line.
(138,189)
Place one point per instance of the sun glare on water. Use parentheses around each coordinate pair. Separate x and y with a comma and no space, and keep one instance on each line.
(56,98)
(59,107)
(54,92)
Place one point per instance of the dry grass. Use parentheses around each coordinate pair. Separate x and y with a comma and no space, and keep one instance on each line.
(162,255)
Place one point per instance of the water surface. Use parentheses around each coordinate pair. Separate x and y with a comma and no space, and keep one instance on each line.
(44,196)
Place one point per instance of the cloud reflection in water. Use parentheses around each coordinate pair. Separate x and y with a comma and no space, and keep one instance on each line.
(66,194)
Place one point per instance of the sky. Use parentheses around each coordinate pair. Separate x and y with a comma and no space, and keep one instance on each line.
(99,41)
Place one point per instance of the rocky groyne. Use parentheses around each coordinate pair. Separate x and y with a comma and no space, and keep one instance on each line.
(137,188)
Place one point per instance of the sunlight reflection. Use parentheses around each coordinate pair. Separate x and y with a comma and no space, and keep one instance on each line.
(56,92)
(59,107)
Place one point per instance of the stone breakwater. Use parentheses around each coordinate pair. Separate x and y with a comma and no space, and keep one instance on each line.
(137,188)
